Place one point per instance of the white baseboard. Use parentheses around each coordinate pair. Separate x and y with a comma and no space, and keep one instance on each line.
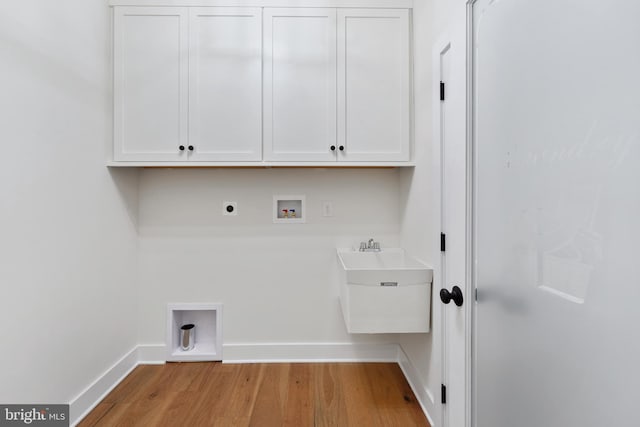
(258,353)
(309,352)
(420,390)
(94,393)
(288,352)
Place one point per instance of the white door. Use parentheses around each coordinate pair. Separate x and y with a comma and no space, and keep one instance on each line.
(225,84)
(300,84)
(557,144)
(454,294)
(150,84)
(373,85)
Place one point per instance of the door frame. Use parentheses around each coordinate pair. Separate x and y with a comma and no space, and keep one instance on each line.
(442,47)
(472,191)
(470,222)
(462,33)
(471,344)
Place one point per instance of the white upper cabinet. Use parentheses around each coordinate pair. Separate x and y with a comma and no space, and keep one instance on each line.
(261,86)
(299,84)
(225,84)
(150,84)
(374,103)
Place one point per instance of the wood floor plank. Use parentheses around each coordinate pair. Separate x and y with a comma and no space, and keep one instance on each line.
(185,376)
(330,408)
(393,402)
(271,399)
(238,411)
(261,395)
(94,416)
(298,408)
(115,416)
(215,397)
(358,397)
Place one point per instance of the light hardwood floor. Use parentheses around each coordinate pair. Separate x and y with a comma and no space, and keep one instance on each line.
(261,395)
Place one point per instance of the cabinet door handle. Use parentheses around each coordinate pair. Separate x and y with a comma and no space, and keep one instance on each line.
(181,148)
(333,148)
(191,148)
(341,148)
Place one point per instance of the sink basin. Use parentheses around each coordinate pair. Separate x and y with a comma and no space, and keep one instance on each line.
(388,265)
(384,292)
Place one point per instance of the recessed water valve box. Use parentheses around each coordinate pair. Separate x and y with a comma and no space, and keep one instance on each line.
(205,322)
(289,209)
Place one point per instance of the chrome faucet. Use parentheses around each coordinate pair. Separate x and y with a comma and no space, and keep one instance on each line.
(370,246)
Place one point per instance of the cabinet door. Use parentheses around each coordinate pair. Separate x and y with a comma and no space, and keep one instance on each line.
(373,85)
(299,84)
(150,83)
(225,84)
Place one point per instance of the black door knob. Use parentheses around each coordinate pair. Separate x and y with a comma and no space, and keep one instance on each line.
(333,148)
(455,295)
(341,148)
(191,148)
(181,148)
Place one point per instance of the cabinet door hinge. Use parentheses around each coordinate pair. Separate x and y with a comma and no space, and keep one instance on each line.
(443,394)
(441,91)
(443,242)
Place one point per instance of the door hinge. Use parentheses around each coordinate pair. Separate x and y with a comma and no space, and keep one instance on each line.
(443,242)
(441,91)
(443,394)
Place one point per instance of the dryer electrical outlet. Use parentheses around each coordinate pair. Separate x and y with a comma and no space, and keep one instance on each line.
(230,208)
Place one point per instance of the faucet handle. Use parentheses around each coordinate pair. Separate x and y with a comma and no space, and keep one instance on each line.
(376,246)
(363,246)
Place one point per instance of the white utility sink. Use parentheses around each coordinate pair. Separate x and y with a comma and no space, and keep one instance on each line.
(388,265)
(384,292)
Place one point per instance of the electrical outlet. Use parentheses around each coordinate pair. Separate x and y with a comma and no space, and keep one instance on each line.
(230,208)
(327,208)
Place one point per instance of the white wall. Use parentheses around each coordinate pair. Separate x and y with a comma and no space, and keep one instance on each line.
(67,225)
(420,229)
(277,282)
(68,229)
